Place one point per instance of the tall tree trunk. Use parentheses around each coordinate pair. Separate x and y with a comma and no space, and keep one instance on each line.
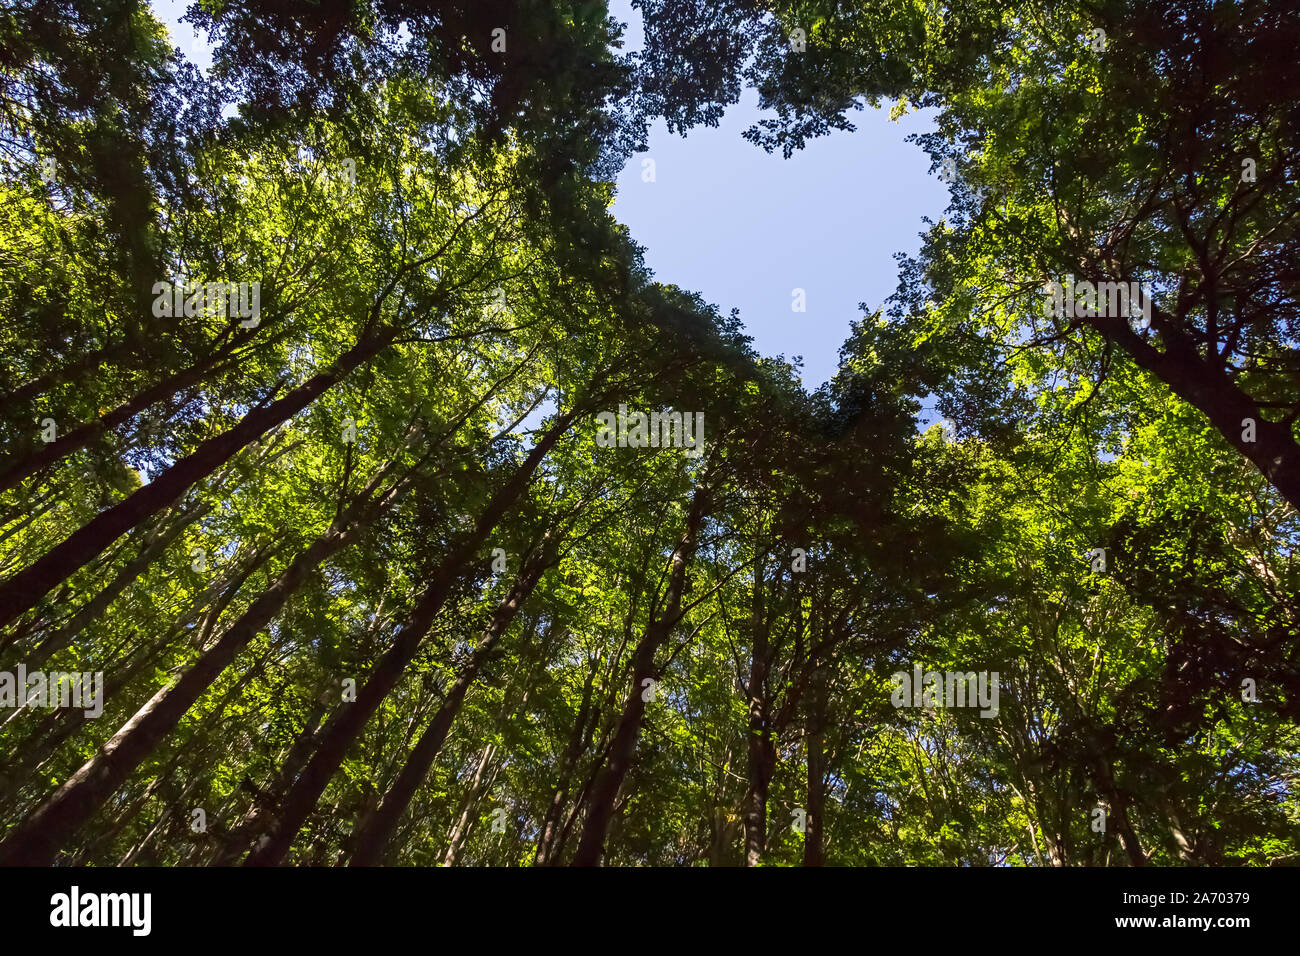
(82,435)
(37,839)
(604,793)
(351,717)
(29,757)
(24,590)
(815,824)
(478,787)
(203,735)
(761,757)
(573,750)
(40,745)
(378,830)
(100,602)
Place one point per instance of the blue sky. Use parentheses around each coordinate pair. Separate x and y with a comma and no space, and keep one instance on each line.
(744,228)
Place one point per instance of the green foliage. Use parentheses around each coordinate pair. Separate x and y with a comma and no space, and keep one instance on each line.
(690,659)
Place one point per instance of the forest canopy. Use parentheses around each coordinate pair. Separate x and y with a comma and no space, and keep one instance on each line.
(365,499)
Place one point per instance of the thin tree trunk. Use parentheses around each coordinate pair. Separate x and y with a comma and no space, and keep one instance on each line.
(100,602)
(163,817)
(580,801)
(460,832)
(66,374)
(351,717)
(760,755)
(378,830)
(814,825)
(82,435)
(24,590)
(572,751)
(36,841)
(236,843)
(604,793)
(83,856)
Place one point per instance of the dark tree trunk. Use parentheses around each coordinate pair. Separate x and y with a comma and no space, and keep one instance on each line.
(100,602)
(604,792)
(814,853)
(36,841)
(24,590)
(546,841)
(378,830)
(82,435)
(1206,386)
(761,757)
(352,716)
